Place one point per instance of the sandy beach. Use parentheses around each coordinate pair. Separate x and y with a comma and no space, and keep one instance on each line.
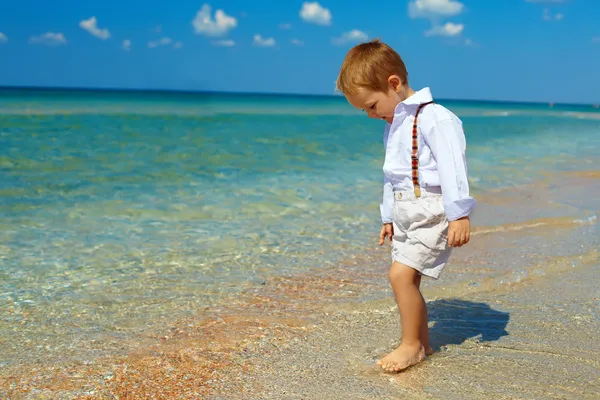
(514,317)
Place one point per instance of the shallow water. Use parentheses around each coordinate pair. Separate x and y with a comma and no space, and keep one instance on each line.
(120,212)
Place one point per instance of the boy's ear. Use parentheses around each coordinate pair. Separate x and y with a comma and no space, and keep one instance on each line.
(395,82)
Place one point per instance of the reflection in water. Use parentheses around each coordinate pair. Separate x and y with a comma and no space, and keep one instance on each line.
(457,320)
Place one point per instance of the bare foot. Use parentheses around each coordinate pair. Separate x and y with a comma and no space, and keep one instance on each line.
(402,358)
(428,351)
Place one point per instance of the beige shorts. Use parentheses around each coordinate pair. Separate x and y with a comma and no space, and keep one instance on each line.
(421,231)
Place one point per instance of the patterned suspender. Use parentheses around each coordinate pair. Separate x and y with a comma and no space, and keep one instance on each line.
(415,153)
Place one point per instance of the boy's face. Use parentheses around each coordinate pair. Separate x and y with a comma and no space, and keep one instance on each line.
(380,105)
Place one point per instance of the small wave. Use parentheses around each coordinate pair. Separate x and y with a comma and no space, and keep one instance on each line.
(536,223)
(589,220)
(497,114)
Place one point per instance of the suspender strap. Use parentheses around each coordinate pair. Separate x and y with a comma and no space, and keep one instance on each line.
(415,152)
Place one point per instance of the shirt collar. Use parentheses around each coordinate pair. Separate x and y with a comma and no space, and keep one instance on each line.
(420,97)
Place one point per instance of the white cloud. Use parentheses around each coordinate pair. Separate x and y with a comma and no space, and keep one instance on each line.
(448,29)
(297,42)
(177,45)
(3,38)
(204,23)
(224,43)
(127,45)
(352,36)
(438,11)
(548,16)
(263,42)
(434,9)
(315,13)
(161,42)
(285,26)
(91,25)
(49,39)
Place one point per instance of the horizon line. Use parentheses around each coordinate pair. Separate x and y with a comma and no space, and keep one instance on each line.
(251,93)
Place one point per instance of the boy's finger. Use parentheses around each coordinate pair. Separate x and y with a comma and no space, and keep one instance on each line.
(451,238)
(457,239)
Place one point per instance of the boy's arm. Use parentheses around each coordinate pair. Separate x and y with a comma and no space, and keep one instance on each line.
(387,213)
(447,142)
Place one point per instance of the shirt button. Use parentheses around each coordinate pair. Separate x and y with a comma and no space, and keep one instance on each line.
(399,196)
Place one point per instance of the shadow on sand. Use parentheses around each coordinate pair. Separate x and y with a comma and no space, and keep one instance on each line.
(457,320)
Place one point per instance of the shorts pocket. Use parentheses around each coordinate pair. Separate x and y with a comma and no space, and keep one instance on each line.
(402,215)
(433,234)
(433,207)
(430,225)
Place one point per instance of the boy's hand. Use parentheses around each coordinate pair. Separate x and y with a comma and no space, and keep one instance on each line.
(459,232)
(386,230)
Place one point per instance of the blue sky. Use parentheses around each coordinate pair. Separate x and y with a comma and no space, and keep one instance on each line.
(528,50)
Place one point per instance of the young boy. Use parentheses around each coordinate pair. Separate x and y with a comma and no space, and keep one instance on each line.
(426,202)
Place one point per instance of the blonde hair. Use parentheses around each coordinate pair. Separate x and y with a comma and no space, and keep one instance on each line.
(368,66)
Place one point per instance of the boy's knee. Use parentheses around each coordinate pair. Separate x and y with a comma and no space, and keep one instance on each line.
(402,274)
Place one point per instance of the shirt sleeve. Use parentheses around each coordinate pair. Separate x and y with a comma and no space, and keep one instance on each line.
(447,142)
(386,207)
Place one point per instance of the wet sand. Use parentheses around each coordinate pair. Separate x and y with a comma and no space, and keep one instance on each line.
(515,315)
(537,341)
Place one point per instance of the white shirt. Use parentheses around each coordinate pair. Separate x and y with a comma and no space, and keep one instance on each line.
(442,160)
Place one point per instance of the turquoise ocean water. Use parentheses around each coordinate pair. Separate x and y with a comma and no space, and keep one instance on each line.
(121,210)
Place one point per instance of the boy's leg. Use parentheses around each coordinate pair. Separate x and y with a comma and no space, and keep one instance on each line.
(424,328)
(411,305)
